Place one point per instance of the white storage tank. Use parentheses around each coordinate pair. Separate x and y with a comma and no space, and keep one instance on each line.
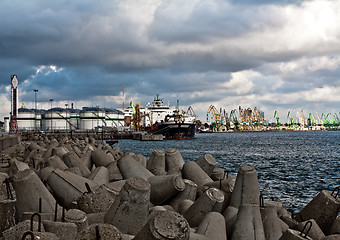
(6,124)
(57,119)
(114,118)
(92,118)
(26,119)
(74,119)
(38,119)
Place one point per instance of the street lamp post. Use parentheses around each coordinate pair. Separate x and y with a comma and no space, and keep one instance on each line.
(51,100)
(35,112)
(66,104)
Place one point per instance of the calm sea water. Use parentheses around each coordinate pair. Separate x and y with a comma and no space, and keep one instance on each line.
(291,166)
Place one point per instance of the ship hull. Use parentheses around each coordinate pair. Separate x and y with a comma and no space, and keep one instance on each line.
(176,130)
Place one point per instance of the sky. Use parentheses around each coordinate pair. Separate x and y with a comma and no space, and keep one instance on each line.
(273,55)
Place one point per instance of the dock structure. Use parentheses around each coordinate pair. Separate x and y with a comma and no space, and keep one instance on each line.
(63,187)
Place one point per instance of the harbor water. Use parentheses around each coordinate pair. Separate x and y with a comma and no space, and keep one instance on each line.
(292,166)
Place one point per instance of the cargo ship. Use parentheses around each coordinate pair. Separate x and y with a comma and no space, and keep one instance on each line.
(169,121)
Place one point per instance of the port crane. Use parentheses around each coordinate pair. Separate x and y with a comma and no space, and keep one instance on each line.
(233,116)
(320,121)
(311,119)
(258,118)
(218,118)
(276,116)
(290,120)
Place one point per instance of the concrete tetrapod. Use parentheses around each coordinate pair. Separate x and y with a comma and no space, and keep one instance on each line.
(213,226)
(335,229)
(16,232)
(100,158)
(96,201)
(71,159)
(210,201)
(129,167)
(246,191)
(273,226)
(78,217)
(173,159)
(164,187)
(164,225)
(100,231)
(291,234)
(129,211)
(55,162)
(7,203)
(156,163)
(192,171)
(64,230)
(69,186)
(29,188)
(248,225)
(100,176)
(323,209)
(314,232)
(207,162)
(189,192)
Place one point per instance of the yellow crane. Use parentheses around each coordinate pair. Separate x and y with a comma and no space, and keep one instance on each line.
(218,118)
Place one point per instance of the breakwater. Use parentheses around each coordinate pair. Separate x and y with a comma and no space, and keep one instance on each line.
(87,189)
(292,166)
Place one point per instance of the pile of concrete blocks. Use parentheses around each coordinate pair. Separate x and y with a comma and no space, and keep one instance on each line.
(86,189)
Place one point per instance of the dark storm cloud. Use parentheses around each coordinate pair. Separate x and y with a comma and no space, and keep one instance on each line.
(184,50)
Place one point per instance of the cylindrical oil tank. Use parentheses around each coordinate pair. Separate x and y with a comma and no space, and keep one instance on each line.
(6,124)
(92,118)
(114,118)
(26,119)
(74,119)
(38,119)
(57,119)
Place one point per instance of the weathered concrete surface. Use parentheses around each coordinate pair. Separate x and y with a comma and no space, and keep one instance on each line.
(140,198)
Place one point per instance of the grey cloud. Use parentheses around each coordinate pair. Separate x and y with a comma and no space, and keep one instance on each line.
(208,20)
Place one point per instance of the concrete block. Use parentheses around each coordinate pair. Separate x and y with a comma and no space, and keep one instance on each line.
(213,226)
(323,209)
(164,187)
(207,162)
(173,159)
(248,225)
(129,167)
(100,231)
(129,212)
(165,225)
(210,201)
